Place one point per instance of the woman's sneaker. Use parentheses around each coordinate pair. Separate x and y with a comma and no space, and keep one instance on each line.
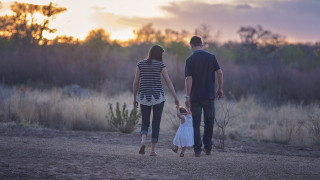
(153,153)
(142,149)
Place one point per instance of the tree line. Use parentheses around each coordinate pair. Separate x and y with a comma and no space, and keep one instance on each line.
(263,63)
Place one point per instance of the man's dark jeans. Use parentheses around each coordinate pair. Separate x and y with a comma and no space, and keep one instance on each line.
(156,118)
(208,109)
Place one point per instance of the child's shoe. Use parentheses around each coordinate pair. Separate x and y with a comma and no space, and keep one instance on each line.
(174,150)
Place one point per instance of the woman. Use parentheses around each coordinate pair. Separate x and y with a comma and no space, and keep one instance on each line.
(150,94)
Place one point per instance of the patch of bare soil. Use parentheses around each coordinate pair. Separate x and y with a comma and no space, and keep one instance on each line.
(54,154)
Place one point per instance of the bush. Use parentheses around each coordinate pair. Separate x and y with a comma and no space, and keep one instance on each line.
(121,120)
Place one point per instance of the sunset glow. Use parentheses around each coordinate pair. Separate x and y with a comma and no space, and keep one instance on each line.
(120,18)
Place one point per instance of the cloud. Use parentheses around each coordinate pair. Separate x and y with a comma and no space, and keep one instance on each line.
(243,6)
(110,21)
(97,8)
(295,19)
(4,7)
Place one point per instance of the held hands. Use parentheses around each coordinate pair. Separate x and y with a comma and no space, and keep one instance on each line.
(189,111)
(180,116)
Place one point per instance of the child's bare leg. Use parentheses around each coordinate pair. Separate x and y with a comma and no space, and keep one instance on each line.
(175,148)
(183,150)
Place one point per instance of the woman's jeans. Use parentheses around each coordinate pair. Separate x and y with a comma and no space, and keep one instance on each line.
(208,109)
(156,118)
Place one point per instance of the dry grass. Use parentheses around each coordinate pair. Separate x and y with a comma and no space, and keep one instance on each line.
(288,123)
(55,108)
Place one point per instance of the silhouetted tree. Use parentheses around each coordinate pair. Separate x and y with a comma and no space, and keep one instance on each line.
(171,35)
(204,32)
(148,34)
(64,40)
(252,37)
(98,35)
(23,27)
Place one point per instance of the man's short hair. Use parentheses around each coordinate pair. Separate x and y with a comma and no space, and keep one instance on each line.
(195,41)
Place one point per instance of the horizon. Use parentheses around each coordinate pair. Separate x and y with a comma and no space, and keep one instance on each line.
(298,23)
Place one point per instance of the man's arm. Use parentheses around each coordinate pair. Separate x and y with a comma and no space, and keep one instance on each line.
(219,93)
(188,84)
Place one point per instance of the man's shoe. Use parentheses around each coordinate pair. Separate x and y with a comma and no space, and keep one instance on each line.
(208,152)
(197,154)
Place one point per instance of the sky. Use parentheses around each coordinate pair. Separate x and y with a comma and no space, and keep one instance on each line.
(297,20)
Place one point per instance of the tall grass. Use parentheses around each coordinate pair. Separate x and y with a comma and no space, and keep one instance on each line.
(55,108)
(288,123)
(86,110)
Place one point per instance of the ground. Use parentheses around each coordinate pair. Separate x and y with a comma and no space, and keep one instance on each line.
(60,154)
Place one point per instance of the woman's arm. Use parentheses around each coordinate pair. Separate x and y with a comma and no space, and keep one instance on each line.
(135,87)
(166,77)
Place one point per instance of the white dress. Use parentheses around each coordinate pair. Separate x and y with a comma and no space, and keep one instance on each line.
(184,135)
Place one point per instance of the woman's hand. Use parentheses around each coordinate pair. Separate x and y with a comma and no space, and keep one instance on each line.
(135,104)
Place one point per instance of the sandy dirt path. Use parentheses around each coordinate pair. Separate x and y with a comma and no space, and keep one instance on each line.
(74,155)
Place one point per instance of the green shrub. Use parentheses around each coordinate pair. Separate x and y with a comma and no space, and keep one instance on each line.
(121,120)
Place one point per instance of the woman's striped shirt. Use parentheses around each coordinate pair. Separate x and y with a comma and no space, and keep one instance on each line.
(150,87)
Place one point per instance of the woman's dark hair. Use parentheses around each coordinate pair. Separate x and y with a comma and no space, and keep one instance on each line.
(195,41)
(183,110)
(155,53)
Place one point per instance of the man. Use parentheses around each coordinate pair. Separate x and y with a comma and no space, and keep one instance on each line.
(200,70)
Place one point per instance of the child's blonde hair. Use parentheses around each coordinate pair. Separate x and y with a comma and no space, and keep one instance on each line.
(183,110)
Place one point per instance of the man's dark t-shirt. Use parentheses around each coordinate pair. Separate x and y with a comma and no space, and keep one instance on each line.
(201,66)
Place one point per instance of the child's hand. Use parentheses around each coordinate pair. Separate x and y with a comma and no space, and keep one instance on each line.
(183,121)
(179,115)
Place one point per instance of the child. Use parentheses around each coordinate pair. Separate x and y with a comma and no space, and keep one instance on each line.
(184,135)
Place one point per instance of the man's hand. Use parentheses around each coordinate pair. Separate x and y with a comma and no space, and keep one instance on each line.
(187,103)
(219,93)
